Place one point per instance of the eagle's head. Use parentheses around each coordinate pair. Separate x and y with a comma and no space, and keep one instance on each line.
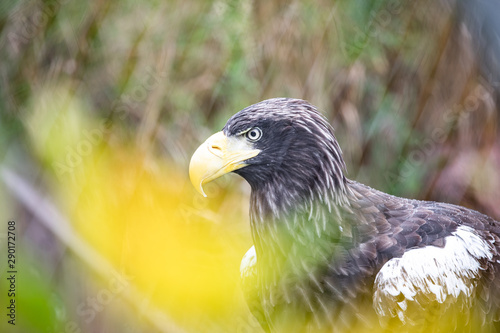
(284,148)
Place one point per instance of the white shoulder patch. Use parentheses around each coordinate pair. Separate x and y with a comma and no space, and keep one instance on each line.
(437,273)
(247,266)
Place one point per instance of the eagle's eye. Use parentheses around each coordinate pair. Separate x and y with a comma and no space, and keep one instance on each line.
(254,134)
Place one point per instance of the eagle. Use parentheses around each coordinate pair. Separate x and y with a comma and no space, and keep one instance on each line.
(333,255)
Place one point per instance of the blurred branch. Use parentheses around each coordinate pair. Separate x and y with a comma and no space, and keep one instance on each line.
(54,221)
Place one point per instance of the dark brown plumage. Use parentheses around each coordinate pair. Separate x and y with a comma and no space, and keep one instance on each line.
(333,255)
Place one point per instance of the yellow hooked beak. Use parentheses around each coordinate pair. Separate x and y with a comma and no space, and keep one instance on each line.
(217,156)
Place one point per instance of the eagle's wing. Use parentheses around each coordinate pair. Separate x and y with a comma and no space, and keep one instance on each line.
(250,286)
(434,259)
(428,276)
(449,268)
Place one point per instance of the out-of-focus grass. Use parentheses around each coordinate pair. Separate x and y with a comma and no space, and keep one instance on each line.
(103,102)
(152,225)
(141,213)
(145,217)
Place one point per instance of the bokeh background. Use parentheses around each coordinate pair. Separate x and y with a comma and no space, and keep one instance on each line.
(102,104)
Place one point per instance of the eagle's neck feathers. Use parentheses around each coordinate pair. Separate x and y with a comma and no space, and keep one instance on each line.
(288,227)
